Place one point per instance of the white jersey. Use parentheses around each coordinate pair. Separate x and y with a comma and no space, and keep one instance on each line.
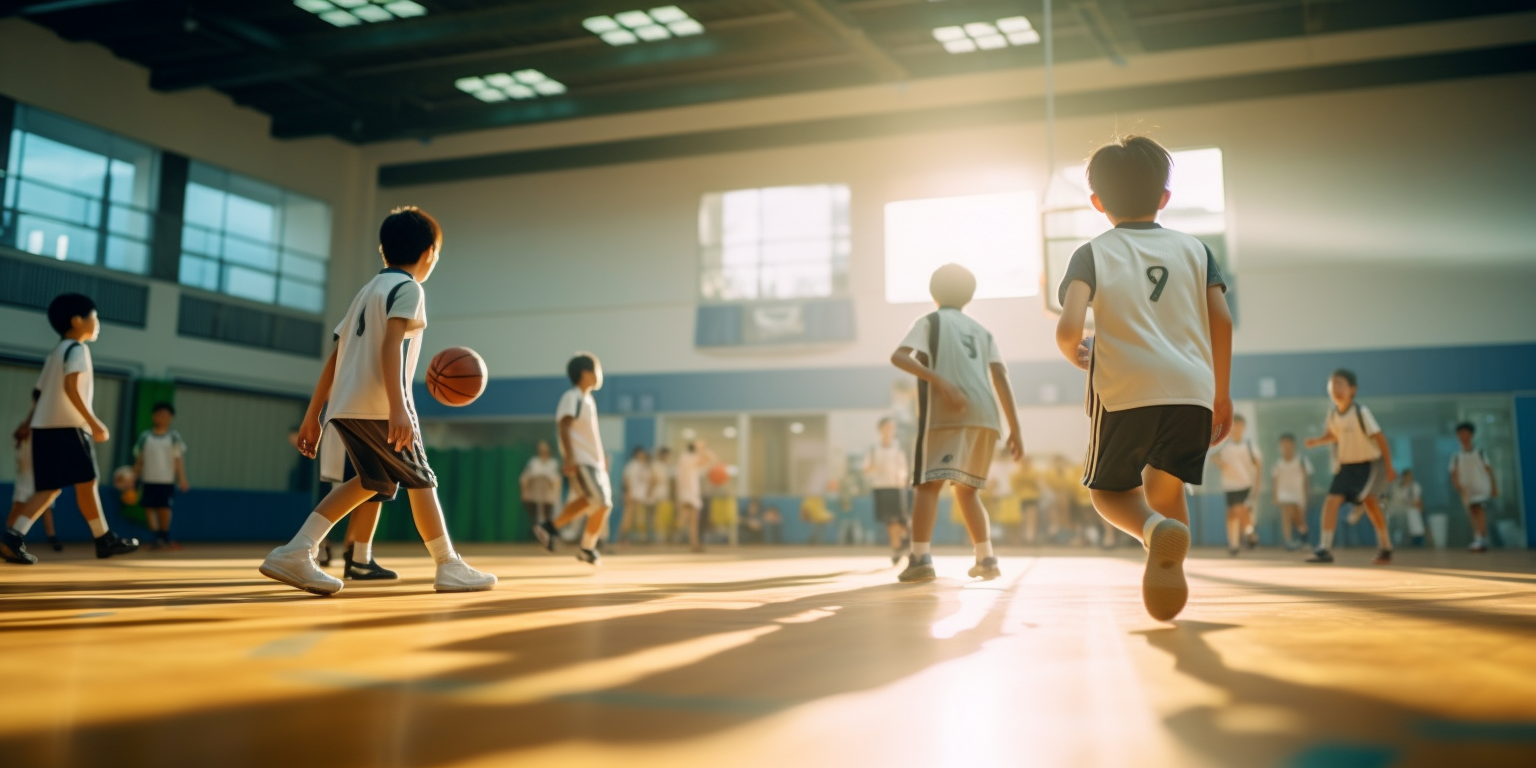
(159,454)
(1240,464)
(586,445)
(962,351)
(1152,343)
(637,480)
(889,467)
(54,410)
(359,391)
(1472,470)
(24,485)
(1290,479)
(543,479)
(1354,429)
(689,490)
(661,482)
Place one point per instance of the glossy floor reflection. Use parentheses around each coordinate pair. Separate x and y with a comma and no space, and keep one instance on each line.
(809,657)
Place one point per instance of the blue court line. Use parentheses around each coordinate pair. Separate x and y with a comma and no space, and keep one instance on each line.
(642,700)
(1344,756)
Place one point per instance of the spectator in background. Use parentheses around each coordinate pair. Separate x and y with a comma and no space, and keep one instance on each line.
(1026,488)
(540,484)
(1292,476)
(1472,477)
(691,465)
(813,511)
(889,474)
(773,526)
(663,510)
(637,483)
(1405,499)
(752,523)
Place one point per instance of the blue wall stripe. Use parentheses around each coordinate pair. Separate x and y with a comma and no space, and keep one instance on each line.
(1415,371)
(1525,448)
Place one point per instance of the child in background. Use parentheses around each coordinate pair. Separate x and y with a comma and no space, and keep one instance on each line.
(25,488)
(663,510)
(585,461)
(637,496)
(1241,467)
(1472,477)
(159,458)
(888,473)
(1363,456)
(1159,370)
(961,379)
(1292,477)
(62,427)
(690,490)
(1406,497)
(1026,488)
(540,484)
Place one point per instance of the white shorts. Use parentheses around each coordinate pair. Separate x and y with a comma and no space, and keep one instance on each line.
(592,485)
(24,488)
(1289,499)
(692,497)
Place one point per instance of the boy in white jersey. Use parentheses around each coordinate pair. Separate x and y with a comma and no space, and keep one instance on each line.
(1472,477)
(1292,477)
(887,471)
(370,418)
(1364,459)
(158,457)
(961,379)
(24,488)
(1159,369)
(1241,467)
(62,427)
(586,463)
(637,496)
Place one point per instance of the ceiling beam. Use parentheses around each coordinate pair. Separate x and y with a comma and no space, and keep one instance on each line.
(1111,27)
(49,6)
(832,19)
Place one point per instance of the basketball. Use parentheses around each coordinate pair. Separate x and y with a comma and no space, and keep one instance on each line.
(456,376)
(123,479)
(719,475)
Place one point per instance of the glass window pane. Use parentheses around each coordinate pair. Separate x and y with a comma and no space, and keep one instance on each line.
(64,242)
(127,255)
(304,267)
(741,216)
(241,251)
(63,166)
(797,213)
(776,242)
(199,272)
(298,295)
(58,204)
(250,284)
(307,226)
(250,218)
(201,241)
(129,221)
(995,236)
(205,206)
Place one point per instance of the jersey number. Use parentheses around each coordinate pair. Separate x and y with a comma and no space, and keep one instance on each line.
(1159,278)
(970,345)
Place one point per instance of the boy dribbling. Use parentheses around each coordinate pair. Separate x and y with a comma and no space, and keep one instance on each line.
(159,457)
(1364,458)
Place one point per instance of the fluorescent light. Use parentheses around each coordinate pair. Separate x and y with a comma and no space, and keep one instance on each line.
(668,14)
(406,9)
(470,84)
(599,24)
(522,84)
(549,88)
(653,32)
(490,94)
(340,18)
(946,34)
(633,19)
(686,27)
(992,42)
(519,91)
(980,29)
(529,76)
(620,37)
(1014,24)
(314,6)
(350,3)
(499,80)
(1024,38)
(960,46)
(372,13)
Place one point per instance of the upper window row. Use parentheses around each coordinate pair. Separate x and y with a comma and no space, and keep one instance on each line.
(77,193)
(795,242)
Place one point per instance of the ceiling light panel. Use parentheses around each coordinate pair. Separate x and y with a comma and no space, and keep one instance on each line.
(630,27)
(500,86)
(350,13)
(987,35)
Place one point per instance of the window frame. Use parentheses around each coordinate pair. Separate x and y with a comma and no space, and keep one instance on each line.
(714,288)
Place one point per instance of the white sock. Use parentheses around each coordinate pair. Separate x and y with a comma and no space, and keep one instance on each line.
(1325,540)
(312,532)
(1247,530)
(23,524)
(983,549)
(362,552)
(921,547)
(1146,528)
(441,549)
(98,525)
(588,540)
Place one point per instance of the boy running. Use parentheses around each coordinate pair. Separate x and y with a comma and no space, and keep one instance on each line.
(1363,456)
(1241,467)
(887,471)
(1292,477)
(24,487)
(1159,370)
(158,458)
(586,463)
(1472,477)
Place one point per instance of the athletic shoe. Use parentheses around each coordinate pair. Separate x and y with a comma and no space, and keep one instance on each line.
(109,544)
(1233,552)
(902,550)
(296,567)
(547,534)
(455,575)
(53,541)
(1321,556)
(1253,541)
(1291,546)
(588,556)
(985,569)
(13,549)
(1163,588)
(1477,546)
(1383,557)
(369,571)
(919,569)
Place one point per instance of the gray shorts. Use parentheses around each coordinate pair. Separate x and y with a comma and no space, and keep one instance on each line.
(592,484)
(380,468)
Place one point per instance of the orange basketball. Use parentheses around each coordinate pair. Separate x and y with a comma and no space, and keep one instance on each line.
(456,376)
(719,475)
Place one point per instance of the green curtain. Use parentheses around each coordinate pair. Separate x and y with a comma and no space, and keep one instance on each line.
(479,492)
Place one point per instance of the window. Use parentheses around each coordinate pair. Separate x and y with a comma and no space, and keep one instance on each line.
(775,243)
(252,240)
(76,193)
(991,235)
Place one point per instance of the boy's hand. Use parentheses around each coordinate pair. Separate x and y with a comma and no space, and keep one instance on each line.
(99,432)
(1391,472)
(1016,447)
(1221,419)
(23,431)
(308,441)
(1084,353)
(401,431)
(949,394)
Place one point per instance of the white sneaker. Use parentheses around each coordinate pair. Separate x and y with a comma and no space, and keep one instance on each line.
(456,576)
(1163,588)
(295,566)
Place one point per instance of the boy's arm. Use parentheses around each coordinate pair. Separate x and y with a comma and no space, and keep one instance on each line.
(1074,317)
(916,364)
(1005,395)
(568,464)
(138,457)
(401,431)
(309,430)
(24,429)
(1327,438)
(1386,454)
(181,475)
(72,391)
(1220,319)
(1493,480)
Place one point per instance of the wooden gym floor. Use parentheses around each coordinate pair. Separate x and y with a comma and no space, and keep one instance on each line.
(782,657)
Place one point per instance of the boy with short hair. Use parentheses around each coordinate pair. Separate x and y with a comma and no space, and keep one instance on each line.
(1472,477)
(637,496)
(24,487)
(1241,467)
(158,463)
(1364,458)
(886,469)
(961,379)
(370,415)
(62,427)
(586,463)
(1159,369)
(1292,477)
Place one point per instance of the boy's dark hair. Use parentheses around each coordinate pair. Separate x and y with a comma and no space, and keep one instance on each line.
(163,406)
(1468,426)
(639,449)
(580,364)
(1287,436)
(1349,376)
(65,307)
(664,450)
(408,232)
(1130,176)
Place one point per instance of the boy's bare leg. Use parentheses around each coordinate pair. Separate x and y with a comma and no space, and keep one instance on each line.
(1234,527)
(572,511)
(32,508)
(596,522)
(974,513)
(1330,522)
(1479,518)
(1379,522)
(1159,508)
(925,513)
(48,522)
(361,527)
